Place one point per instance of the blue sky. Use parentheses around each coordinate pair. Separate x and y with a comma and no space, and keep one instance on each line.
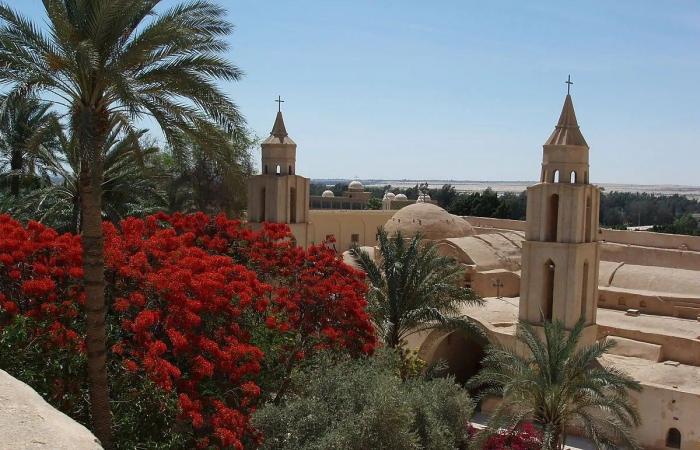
(470,89)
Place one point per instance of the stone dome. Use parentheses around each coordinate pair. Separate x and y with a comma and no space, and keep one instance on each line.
(327,193)
(390,195)
(431,221)
(356,186)
(400,197)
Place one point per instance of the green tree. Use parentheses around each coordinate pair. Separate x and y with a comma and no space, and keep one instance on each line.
(364,403)
(374,203)
(26,126)
(129,185)
(119,60)
(559,384)
(413,288)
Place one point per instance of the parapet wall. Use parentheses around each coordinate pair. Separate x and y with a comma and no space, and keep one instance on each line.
(637,238)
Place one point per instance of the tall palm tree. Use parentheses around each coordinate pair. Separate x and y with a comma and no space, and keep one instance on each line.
(107,60)
(559,384)
(413,288)
(26,125)
(130,184)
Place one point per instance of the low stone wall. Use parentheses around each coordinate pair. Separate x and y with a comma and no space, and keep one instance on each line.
(28,422)
(638,238)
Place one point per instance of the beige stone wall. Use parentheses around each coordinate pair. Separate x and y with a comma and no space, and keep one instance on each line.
(343,224)
(662,409)
(636,238)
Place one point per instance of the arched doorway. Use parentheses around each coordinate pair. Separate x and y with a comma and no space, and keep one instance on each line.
(462,353)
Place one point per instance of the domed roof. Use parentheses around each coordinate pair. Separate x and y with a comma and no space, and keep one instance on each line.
(400,197)
(431,221)
(390,195)
(327,193)
(356,186)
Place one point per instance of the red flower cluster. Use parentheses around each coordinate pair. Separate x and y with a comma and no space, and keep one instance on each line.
(524,437)
(190,295)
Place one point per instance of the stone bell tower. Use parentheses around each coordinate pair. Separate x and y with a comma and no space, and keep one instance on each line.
(560,256)
(278,194)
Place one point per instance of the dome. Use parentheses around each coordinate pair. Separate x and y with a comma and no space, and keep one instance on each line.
(420,200)
(356,186)
(400,197)
(327,193)
(431,221)
(390,195)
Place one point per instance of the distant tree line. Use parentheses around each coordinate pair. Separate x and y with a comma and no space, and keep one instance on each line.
(618,210)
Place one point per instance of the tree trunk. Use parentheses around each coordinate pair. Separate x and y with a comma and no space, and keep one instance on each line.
(16,172)
(93,266)
(92,125)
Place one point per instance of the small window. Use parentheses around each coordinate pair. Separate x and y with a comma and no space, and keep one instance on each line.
(556,176)
(673,438)
(279,170)
(572,177)
(354,238)
(265,169)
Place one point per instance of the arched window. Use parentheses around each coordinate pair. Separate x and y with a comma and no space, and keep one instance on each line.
(584,293)
(589,217)
(556,176)
(673,438)
(572,177)
(262,205)
(552,218)
(279,170)
(293,205)
(265,171)
(290,171)
(548,306)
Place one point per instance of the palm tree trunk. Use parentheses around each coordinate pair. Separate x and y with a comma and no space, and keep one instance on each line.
(93,266)
(92,125)
(16,170)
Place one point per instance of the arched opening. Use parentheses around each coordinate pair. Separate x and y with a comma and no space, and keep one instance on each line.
(548,306)
(462,354)
(262,205)
(552,218)
(278,171)
(584,292)
(589,216)
(556,176)
(673,438)
(265,169)
(293,205)
(290,171)
(572,177)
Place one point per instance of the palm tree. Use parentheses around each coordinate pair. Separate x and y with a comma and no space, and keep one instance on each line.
(26,125)
(129,187)
(413,288)
(107,60)
(559,384)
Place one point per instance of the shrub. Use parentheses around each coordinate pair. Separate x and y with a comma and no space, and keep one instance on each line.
(364,403)
(207,317)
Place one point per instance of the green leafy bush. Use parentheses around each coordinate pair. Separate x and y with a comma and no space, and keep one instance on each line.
(363,403)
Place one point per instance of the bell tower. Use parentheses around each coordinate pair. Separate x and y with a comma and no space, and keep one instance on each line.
(278,194)
(561,255)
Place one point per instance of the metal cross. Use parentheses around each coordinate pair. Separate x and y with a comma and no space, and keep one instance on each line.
(568,85)
(498,285)
(279,103)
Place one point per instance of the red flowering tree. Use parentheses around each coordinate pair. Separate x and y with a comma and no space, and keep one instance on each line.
(524,437)
(204,308)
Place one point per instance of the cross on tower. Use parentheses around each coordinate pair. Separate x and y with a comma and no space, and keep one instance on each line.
(279,103)
(568,85)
